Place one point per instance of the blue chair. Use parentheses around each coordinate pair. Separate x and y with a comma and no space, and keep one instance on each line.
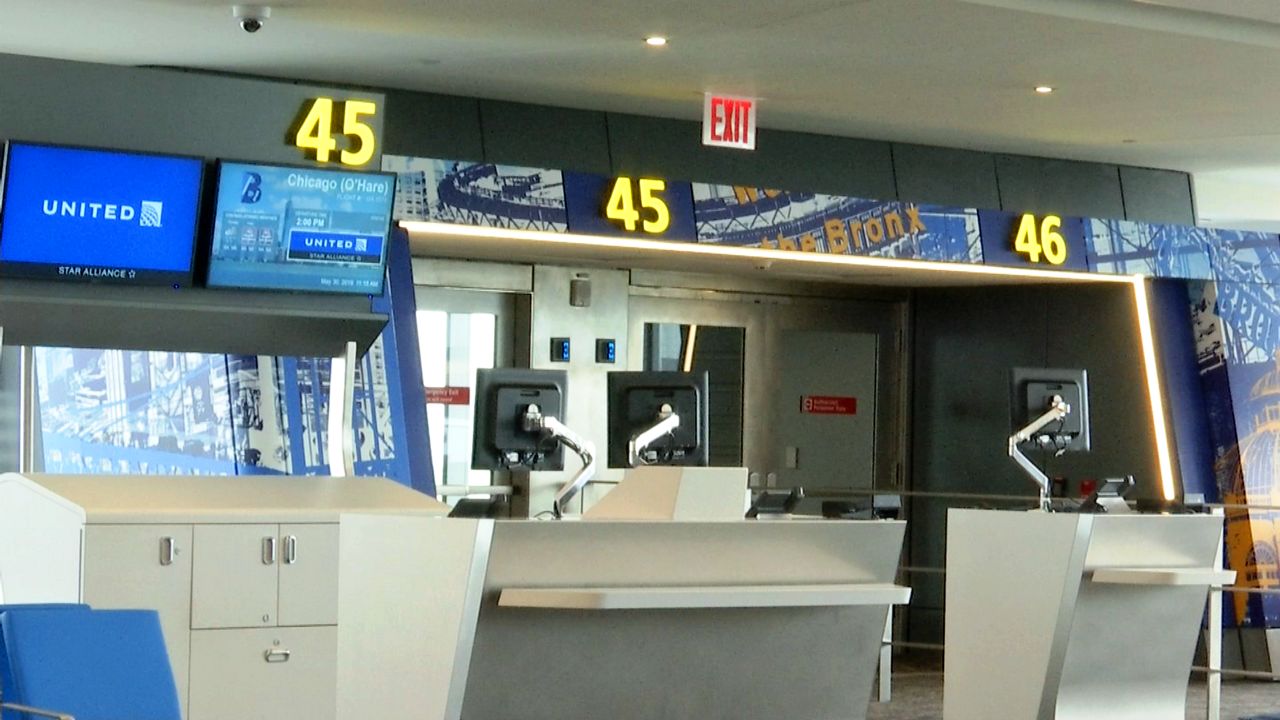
(6,678)
(91,665)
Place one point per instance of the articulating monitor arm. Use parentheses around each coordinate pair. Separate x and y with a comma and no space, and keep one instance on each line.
(1058,409)
(667,422)
(553,429)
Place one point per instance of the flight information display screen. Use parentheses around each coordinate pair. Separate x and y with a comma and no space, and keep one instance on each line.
(304,229)
(103,216)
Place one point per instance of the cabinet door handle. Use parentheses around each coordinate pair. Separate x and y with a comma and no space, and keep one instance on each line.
(168,549)
(276,656)
(268,551)
(291,549)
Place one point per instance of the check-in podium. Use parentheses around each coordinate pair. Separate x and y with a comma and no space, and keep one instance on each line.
(1057,616)
(683,620)
(541,620)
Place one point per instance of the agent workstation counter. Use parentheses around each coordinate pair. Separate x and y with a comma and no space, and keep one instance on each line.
(1057,615)
(355,598)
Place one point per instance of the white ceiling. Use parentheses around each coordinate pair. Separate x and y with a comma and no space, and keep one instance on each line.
(1185,84)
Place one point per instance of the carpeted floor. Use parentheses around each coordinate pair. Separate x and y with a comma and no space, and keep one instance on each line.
(918,696)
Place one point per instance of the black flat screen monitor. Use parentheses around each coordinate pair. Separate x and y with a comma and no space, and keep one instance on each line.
(636,402)
(99,216)
(305,229)
(1032,392)
(500,441)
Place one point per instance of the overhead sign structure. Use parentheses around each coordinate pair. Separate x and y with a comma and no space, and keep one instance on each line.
(729,121)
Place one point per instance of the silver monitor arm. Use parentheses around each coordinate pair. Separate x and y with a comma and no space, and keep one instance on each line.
(668,421)
(551,428)
(1058,409)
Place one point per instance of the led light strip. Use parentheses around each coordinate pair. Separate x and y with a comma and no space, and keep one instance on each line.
(1147,336)
(1158,420)
(759,254)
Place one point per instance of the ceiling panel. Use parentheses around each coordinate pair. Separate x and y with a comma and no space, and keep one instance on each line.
(1182,84)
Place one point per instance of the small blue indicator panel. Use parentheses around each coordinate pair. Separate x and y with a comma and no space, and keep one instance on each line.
(606,351)
(560,350)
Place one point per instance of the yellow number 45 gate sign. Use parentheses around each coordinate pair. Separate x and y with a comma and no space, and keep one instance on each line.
(325,123)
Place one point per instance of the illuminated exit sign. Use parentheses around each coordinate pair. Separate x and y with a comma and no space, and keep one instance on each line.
(729,122)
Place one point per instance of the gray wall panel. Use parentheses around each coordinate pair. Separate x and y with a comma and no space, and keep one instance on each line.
(821,163)
(156,110)
(1066,187)
(781,160)
(946,176)
(434,126)
(545,136)
(668,148)
(1162,196)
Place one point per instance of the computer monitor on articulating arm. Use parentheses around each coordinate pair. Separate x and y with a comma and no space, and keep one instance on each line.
(519,426)
(1050,411)
(657,418)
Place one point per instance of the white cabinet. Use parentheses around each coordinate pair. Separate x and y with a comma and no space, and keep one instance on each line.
(144,566)
(265,575)
(276,673)
(243,571)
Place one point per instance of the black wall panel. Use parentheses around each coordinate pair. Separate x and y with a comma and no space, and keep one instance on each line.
(434,126)
(946,176)
(1157,195)
(545,136)
(966,342)
(1065,187)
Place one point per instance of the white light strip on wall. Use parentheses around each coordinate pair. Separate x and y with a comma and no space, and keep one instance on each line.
(1158,420)
(689,346)
(759,254)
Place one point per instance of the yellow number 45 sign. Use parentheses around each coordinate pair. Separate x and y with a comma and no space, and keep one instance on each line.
(315,134)
(1043,238)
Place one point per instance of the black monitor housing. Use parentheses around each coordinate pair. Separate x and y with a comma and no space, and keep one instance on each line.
(1032,393)
(1050,411)
(502,440)
(657,418)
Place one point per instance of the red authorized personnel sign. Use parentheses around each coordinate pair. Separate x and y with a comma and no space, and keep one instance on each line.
(729,122)
(828,405)
(448,396)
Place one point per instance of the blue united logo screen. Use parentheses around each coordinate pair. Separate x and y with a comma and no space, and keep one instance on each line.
(98,215)
(283,228)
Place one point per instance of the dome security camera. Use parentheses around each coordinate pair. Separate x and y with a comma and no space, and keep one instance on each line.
(251,17)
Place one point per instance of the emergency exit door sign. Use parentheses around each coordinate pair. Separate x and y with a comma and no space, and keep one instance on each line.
(729,122)
(828,405)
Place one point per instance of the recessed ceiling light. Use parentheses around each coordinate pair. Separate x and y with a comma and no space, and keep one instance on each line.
(1044,89)
(656,41)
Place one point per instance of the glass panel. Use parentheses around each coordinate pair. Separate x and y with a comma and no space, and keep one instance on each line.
(453,347)
(720,351)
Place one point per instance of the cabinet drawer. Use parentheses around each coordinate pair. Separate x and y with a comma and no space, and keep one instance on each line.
(272,673)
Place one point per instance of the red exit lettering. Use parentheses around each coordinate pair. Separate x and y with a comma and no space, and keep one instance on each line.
(729,121)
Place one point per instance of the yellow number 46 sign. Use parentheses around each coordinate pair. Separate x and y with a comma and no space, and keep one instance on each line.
(1042,238)
(315,134)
